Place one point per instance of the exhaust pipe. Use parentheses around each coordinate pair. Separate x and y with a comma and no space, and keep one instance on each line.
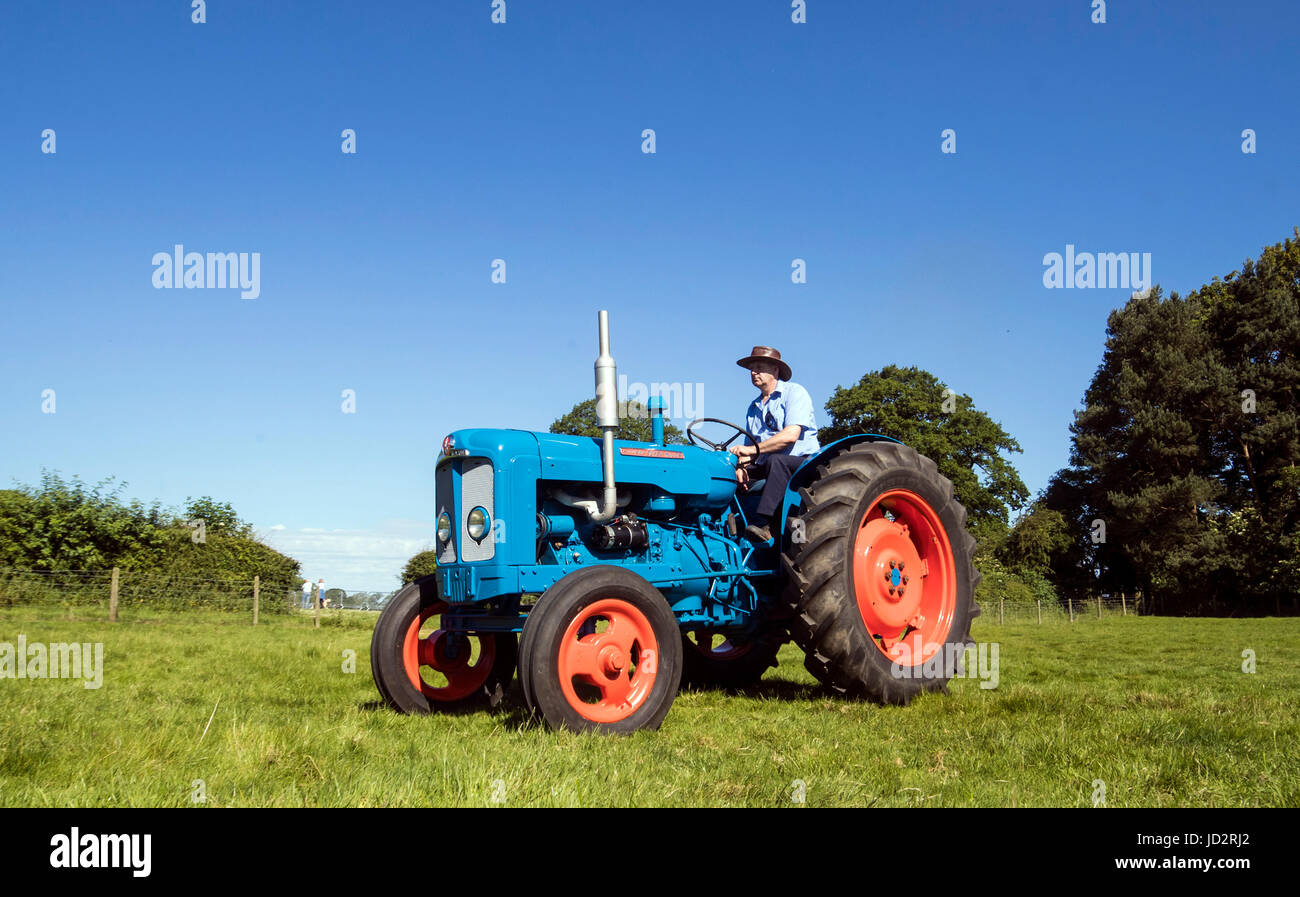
(607,419)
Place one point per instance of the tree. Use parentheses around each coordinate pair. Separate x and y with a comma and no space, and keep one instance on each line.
(425,563)
(635,425)
(1037,539)
(913,406)
(1184,457)
(65,525)
(218,517)
(68,525)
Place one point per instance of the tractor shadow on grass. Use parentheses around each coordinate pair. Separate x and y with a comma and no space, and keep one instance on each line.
(512,712)
(504,709)
(773,689)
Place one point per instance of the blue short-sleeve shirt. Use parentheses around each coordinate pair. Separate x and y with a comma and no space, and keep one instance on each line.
(787,405)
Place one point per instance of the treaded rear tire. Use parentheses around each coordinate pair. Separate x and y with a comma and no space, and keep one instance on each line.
(827,623)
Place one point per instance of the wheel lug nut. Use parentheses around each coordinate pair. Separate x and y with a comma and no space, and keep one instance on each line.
(891,590)
(904,580)
(900,565)
(892,565)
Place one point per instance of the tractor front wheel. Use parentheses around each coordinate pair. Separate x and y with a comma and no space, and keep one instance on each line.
(419,667)
(601,652)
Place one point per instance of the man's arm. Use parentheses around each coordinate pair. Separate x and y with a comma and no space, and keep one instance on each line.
(788,436)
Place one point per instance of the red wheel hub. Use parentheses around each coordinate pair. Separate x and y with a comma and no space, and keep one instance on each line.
(449,654)
(904,577)
(608,660)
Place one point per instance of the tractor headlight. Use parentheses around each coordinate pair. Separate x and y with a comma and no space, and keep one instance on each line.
(444,528)
(476,524)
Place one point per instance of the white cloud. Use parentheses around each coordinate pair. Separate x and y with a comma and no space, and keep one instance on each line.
(353,559)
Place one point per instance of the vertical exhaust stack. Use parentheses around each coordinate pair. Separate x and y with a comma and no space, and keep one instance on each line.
(607,419)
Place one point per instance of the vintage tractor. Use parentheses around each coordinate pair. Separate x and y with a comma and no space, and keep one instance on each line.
(609,572)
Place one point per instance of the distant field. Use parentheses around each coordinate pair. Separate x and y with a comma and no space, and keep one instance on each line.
(1158,709)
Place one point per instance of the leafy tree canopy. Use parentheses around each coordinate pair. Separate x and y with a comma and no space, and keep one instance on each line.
(64,525)
(913,406)
(425,563)
(1183,467)
(634,425)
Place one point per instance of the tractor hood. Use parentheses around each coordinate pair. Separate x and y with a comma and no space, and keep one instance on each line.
(697,477)
(686,471)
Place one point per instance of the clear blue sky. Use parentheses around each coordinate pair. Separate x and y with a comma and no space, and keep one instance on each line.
(522,141)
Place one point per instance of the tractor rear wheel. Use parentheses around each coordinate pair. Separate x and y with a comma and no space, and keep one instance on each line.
(712,660)
(882,584)
(602,652)
(419,667)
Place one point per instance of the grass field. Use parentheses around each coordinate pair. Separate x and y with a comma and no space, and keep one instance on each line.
(1158,709)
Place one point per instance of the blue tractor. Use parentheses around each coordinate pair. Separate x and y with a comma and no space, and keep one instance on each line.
(609,572)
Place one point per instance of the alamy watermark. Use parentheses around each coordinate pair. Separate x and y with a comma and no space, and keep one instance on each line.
(949,662)
(77,851)
(179,269)
(57,660)
(1099,271)
(682,401)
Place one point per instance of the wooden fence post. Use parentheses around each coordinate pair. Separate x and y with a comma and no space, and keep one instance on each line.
(1000,617)
(1098,607)
(112,598)
(1039,602)
(257,584)
(1123,603)
(315,603)
(1071,600)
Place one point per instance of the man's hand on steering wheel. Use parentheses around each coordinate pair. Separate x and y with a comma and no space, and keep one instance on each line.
(744,453)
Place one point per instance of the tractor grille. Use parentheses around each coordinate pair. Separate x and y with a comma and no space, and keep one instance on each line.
(475,491)
(442,496)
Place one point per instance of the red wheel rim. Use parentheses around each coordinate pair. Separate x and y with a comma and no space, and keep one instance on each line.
(608,660)
(450,654)
(725,650)
(904,577)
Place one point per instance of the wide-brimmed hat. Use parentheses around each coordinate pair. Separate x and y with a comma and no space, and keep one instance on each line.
(766,353)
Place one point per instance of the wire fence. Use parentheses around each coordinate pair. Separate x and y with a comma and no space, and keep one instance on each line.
(1064,611)
(109,593)
(114,593)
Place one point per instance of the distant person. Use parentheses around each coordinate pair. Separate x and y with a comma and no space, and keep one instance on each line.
(320,592)
(306,594)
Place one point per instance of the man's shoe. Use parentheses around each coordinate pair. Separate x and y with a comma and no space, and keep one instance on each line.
(758,534)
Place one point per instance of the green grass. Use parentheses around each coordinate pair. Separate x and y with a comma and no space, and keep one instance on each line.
(1158,709)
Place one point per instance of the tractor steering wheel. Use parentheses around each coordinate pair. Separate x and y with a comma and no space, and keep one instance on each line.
(696,439)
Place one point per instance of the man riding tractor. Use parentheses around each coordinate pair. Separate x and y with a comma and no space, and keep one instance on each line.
(785,433)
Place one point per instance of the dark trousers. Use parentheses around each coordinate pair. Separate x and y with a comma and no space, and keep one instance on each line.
(777,469)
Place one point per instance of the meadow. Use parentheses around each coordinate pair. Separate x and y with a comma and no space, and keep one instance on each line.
(202,709)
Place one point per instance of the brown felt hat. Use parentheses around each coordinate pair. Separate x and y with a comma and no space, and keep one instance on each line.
(767,353)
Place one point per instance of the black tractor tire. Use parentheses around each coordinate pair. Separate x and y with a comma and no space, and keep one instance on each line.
(823,573)
(546,646)
(389,644)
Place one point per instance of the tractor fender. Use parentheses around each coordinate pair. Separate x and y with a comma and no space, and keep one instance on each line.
(805,472)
